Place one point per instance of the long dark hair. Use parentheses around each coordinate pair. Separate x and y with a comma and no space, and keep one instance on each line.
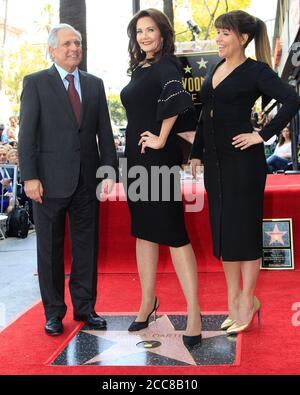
(243,23)
(166,31)
(281,139)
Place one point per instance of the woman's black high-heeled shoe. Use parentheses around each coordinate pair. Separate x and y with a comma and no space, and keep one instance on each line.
(138,325)
(190,341)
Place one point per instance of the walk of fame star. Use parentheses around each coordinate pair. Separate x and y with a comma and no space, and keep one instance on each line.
(160,330)
(158,345)
(276,235)
(202,63)
(187,69)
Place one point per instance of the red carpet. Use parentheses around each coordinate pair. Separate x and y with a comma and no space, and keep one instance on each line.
(117,247)
(274,349)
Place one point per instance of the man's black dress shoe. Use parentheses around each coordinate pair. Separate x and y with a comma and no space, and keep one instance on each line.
(54,326)
(92,319)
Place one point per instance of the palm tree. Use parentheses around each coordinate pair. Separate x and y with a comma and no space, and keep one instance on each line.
(169,11)
(73,12)
(168,8)
(45,21)
(5,22)
(136,6)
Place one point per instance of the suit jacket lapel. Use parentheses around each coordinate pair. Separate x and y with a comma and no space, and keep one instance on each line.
(61,92)
(84,86)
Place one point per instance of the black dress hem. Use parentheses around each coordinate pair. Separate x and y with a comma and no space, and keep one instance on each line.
(178,244)
(220,258)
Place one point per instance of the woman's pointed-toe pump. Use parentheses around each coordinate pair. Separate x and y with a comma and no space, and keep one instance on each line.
(227,323)
(237,328)
(191,341)
(139,325)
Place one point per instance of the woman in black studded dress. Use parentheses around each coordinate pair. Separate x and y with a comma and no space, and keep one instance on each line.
(158,107)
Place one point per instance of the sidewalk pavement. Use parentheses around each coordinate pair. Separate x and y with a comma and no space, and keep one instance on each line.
(19,287)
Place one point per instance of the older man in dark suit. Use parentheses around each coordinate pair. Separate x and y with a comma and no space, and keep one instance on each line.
(65,135)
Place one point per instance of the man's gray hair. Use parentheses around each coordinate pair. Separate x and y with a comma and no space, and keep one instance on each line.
(52,39)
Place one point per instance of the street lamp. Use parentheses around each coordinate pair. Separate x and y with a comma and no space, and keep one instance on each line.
(193,28)
(294,127)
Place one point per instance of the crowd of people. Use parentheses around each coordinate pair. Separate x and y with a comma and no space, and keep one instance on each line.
(8,158)
(9,133)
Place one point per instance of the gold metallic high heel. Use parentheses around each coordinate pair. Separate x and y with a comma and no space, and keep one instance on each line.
(236,328)
(227,323)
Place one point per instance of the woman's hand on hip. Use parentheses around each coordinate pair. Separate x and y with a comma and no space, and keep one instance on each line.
(150,140)
(246,140)
(195,164)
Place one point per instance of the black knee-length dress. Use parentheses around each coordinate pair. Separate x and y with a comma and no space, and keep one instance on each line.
(235,179)
(156,93)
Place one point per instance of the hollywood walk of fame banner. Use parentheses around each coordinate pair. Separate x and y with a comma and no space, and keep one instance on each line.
(195,67)
(278,252)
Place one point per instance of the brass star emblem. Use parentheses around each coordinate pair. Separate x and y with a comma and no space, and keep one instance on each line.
(159,338)
(276,235)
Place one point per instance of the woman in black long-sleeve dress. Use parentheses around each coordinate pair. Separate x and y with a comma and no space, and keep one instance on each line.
(233,155)
(157,107)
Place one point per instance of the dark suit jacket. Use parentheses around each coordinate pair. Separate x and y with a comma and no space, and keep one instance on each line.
(52,146)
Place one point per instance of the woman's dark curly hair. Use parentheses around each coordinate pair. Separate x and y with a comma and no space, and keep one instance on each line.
(166,31)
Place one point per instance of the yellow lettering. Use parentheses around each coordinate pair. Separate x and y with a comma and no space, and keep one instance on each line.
(191,84)
(197,84)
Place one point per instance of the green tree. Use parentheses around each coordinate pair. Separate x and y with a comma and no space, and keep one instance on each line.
(47,16)
(203,13)
(73,12)
(26,60)
(116,109)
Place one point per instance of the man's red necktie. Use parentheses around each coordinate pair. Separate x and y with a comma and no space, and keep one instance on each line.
(74,96)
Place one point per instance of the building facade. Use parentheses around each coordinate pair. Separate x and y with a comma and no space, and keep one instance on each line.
(286,49)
